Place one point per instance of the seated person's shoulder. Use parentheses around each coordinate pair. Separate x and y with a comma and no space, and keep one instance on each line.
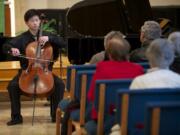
(97,57)
(138,55)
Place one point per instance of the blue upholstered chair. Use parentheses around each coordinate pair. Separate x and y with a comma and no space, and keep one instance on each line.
(131,106)
(77,68)
(80,115)
(162,118)
(105,97)
(70,86)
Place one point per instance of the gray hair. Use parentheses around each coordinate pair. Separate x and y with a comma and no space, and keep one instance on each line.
(175,39)
(160,53)
(118,49)
(110,35)
(151,30)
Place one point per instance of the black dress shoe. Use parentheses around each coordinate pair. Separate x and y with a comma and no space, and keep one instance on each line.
(15,121)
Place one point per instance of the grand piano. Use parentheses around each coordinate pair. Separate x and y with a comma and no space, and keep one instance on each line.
(91,20)
(85,24)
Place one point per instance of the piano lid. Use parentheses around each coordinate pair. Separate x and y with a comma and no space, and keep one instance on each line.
(98,17)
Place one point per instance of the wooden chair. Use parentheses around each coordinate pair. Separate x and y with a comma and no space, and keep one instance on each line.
(105,96)
(70,86)
(78,68)
(71,97)
(83,83)
(131,106)
(162,118)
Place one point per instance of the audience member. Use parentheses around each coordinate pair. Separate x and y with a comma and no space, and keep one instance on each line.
(149,31)
(160,55)
(175,39)
(118,67)
(101,56)
(112,69)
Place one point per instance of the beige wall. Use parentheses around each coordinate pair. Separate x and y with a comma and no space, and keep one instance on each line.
(61,3)
(22,5)
(164,2)
(20,8)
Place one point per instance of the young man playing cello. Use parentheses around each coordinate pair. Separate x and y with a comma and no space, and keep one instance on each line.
(16,47)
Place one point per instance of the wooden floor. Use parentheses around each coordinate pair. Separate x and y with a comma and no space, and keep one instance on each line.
(42,122)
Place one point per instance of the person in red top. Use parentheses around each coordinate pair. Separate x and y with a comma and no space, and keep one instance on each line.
(114,70)
(118,67)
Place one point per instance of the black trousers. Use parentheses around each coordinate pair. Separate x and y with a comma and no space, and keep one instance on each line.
(15,93)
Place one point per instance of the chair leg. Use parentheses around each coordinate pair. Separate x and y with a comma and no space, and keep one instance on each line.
(58,121)
(69,127)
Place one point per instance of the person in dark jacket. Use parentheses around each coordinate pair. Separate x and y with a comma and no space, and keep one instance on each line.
(16,47)
(149,31)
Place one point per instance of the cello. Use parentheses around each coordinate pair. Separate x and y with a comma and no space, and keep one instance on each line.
(37,80)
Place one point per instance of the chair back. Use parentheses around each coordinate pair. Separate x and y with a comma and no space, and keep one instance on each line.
(105,94)
(77,68)
(71,76)
(131,106)
(162,118)
(83,78)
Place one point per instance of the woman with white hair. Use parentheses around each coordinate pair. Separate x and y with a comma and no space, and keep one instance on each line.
(160,55)
(175,39)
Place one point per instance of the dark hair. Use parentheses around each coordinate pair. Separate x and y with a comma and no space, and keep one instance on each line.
(30,13)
